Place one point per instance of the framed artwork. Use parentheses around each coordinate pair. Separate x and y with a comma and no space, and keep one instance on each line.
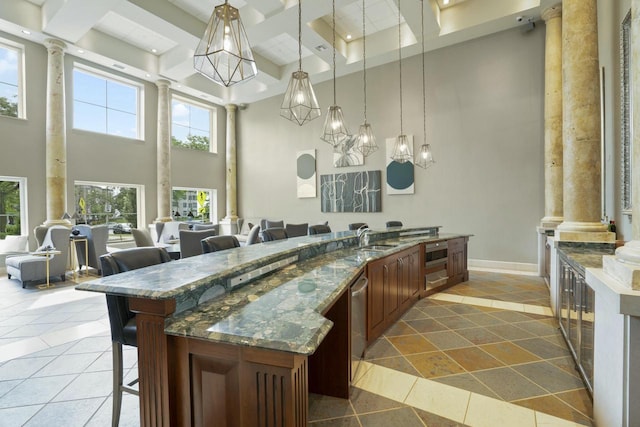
(306,173)
(626,128)
(400,178)
(351,192)
(345,155)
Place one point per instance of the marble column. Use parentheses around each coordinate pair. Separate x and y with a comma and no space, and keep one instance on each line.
(581,129)
(164,152)
(553,118)
(229,224)
(56,134)
(625,265)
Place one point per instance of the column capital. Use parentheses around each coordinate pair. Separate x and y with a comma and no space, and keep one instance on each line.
(552,12)
(231,107)
(55,45)
(162,83)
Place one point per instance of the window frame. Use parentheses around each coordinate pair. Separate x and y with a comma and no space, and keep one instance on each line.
(115,78)
(19,49)
(213,116)
(24,202)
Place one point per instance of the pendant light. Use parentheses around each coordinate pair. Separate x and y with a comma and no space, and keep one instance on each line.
(224,54)
(402,151)
(300,104)
(334,128)
(365,141)
(424,158)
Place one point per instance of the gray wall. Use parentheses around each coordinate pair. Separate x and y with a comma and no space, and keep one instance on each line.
(485,126)
(97,157)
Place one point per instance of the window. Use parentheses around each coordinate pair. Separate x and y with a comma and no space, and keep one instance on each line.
(11,99)
(13,212)
(117,205)
(201,209)
(105,104)
(192,125)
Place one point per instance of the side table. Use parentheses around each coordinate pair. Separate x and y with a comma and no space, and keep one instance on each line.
(73,240)
(48,254)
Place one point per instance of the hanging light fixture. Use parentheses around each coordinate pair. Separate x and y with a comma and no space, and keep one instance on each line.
(365,141)
(224,54)
(425,158)
(300,104)
(334,130)
(402,151)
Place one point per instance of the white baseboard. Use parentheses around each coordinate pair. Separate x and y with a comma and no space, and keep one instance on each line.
(503,266)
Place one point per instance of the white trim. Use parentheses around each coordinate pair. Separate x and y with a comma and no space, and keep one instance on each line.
(19,49)
(503,266)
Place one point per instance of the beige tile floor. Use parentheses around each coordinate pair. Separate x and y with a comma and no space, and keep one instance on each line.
(55,364)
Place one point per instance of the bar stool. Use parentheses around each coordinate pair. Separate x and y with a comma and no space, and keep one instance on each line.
(219,243)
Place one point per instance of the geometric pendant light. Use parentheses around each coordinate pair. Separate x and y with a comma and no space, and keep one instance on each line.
(224,54)
(365,140)
(335,130)
(424,159)
(403,150)
(300,104)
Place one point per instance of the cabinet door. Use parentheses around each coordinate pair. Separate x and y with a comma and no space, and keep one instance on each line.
(457,261)
(587,321)
(404,280)
(392,290)
(415,273)
(376,272)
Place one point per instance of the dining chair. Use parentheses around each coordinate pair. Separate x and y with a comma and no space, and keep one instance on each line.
(319,229)
(295,230)
(271,234)
(142,237)
(354,226)
(190,241)
(254,235)
(394,224)
(219,243)
(121,319)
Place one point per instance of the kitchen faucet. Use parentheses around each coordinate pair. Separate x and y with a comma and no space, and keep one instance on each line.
(363,235)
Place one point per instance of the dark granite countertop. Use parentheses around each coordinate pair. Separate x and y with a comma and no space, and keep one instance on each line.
(582,256)
(279,311)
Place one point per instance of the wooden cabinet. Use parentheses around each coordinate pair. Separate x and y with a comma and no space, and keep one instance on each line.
(457,261)
(394,285)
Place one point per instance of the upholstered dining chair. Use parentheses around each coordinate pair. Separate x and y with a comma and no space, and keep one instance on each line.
(190,241)
(295,230)
(266,223)
(219,243)
(121,319)
(142,237)
(394,224)
(319,229)
(271,234)
(354,226)
(254,235)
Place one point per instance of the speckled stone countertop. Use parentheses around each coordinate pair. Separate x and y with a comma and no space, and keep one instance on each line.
(581,256)
(279,311)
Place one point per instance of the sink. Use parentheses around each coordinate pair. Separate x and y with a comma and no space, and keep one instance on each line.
(376,247)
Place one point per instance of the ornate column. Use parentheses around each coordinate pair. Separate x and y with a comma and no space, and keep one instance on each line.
(552,133)
(553,118)
(56,134)
(625,265)
(164,153)
(581,131)
(229,223)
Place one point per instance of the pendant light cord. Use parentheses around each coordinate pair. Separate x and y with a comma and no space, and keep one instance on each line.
(333,32)
(364,58)
(299,35)
(424,84)
(400,63)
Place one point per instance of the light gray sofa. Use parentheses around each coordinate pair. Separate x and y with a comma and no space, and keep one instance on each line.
(33,268)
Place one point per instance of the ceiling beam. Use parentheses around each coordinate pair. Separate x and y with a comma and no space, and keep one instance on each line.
(70,20)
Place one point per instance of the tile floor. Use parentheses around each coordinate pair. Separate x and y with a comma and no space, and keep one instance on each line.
(457,359)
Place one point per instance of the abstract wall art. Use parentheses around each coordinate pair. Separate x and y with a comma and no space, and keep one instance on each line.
(306,169)
(344,154)
(351,192)
(399,175)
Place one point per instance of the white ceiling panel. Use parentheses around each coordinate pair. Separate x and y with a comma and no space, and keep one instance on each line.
(281,50)
(202,9)
(379,15)
(133,33)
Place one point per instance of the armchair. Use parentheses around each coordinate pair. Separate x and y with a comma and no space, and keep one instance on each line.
(31,268)
(97,237)
(190,242)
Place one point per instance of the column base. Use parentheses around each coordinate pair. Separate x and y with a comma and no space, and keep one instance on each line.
(584,232)
(551,222)
(163,219)
(51,222)
(628,274)
(229,225)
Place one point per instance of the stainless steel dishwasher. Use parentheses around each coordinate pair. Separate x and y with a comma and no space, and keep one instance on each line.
(358,322)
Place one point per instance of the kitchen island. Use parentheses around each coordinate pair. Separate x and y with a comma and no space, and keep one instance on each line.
(240,337)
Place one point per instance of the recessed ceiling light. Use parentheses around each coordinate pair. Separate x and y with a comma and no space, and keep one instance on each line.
(179,85)
(80,51)
(27,32)
(348,36)
(445,2)
(154,50)
(148,75)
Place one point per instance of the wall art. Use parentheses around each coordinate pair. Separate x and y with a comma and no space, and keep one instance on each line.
(351,192)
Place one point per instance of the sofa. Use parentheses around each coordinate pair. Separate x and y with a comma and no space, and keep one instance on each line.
(13,245)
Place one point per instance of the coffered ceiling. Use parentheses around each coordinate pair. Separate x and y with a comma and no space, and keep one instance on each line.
(153,39)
